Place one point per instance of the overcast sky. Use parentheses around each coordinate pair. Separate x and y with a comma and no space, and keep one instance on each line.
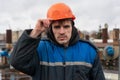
(90,14)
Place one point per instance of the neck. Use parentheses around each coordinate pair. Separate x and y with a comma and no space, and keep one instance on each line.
(66,44)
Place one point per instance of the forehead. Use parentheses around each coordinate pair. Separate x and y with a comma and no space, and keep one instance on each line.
(58,22)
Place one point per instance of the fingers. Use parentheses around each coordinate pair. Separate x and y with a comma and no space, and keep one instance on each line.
(40,27)
(42,23)
(46,23)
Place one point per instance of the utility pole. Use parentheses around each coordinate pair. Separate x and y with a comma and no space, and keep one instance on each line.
(119,61)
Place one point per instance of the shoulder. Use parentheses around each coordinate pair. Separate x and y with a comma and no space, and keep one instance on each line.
(90,44)
(44,42)
(89,49)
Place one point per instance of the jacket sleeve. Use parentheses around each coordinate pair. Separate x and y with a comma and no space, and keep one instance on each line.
(96,72)
(24,56)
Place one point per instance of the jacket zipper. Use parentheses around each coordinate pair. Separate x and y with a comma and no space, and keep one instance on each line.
(64,63)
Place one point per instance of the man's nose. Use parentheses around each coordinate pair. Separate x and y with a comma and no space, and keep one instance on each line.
(62,30)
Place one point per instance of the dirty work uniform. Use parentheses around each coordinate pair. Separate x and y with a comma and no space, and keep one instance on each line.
(44,59)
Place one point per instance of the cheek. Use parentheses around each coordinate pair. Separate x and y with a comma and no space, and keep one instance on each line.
(69,32)
(55,33)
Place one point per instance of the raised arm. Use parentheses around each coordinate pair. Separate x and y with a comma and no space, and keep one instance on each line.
(24,56)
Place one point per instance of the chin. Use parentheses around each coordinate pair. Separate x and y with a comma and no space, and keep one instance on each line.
(63,42)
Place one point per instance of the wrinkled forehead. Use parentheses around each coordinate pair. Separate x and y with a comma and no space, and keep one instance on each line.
(61,22)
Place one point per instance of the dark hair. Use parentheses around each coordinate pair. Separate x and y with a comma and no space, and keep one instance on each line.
(62,20)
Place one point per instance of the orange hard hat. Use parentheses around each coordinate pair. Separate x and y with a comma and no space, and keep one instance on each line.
(59,11)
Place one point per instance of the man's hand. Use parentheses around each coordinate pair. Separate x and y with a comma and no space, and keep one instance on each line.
(40,27)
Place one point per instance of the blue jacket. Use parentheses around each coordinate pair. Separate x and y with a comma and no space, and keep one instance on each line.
(45,60)
(75,62)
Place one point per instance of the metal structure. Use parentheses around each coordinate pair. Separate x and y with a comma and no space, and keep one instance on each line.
(119,61)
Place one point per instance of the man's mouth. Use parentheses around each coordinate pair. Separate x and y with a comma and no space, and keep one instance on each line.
(62,37)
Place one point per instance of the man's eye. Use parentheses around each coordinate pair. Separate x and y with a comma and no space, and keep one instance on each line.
(66,26)
(56,27)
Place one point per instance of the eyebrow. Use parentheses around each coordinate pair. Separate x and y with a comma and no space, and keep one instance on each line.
(58,26)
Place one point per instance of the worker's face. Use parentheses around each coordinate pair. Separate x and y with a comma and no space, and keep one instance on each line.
(62,31)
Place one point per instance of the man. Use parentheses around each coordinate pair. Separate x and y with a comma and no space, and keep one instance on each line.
(59,56)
